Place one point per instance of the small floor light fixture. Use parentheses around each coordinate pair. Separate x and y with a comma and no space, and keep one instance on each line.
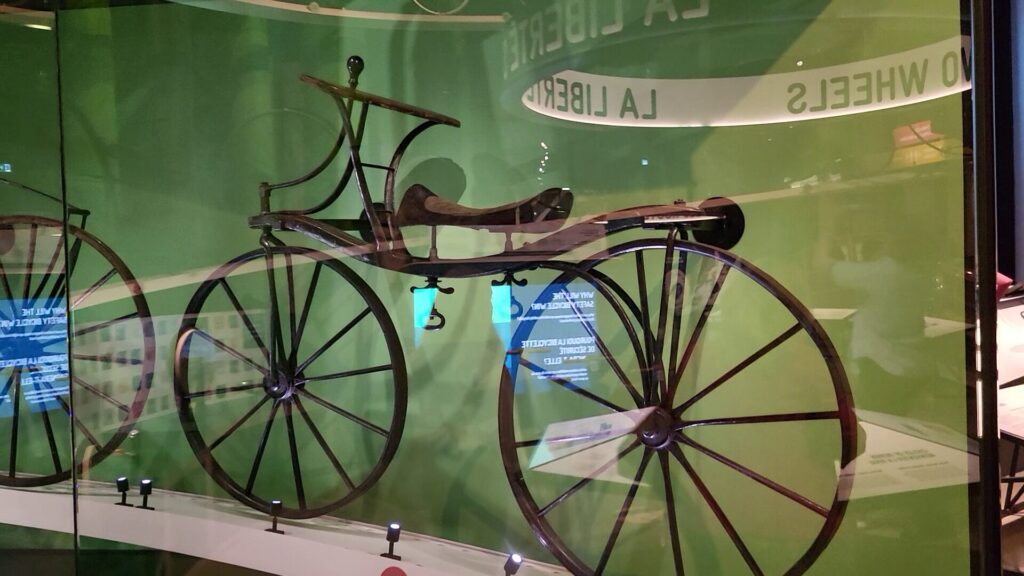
(394,533)
(512,564)
(122,487)
(275,511)
(145,489)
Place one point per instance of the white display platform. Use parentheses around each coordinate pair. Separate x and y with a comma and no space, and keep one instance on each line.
(226,531)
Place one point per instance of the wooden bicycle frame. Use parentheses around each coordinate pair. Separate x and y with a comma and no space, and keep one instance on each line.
(387,249)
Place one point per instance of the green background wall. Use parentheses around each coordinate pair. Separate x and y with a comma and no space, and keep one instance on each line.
(173,115)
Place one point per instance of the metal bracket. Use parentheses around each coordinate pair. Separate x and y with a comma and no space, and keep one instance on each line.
(433,283)
(508,280)
(436,317)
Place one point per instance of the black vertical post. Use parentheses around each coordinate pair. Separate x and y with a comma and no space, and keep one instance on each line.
(1004,125)
(59,7)
(985,254)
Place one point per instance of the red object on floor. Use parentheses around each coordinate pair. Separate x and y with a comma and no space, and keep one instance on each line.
(393,571)
(1003,284)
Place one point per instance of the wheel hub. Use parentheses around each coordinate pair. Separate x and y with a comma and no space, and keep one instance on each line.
(279,388)
(656,431)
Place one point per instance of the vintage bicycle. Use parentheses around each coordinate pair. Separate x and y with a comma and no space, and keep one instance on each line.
(602,383)
(112,357)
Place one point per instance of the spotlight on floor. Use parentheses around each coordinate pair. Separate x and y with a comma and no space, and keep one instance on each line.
(394,533)
(145,489)
(275,511)
(122,487)
(512,564)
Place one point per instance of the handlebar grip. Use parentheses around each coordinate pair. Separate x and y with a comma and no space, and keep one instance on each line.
(355,68)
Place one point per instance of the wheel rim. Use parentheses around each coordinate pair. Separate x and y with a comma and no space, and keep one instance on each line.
(670,457)
(330,389)
(112,353)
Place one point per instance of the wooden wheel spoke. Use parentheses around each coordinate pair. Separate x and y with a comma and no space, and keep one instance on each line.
(677,315)
(762,419)
(670,511)
(324,446)
(95,286)
(305,311)
(300,491)
(221,391)
(290,277)
(347,374)
(58,288)
(571,387)
(637,397)
(763,351)
(47,275)
(245,318)
(78,423)
(529,443)
(691,345)
(107,359)
(99,393)
(7,385)
(757,477)
(606,554)
(104,325)
(581,450)
(645,313)
(608,435)
(27,285)
(342,412)
(16,393)
(5,282)
(50,438)
(238,424)
(262,448)
(61,283)
(587,480)
(334,339)
(718,512)
(229,350)
(666,283)
(277,353)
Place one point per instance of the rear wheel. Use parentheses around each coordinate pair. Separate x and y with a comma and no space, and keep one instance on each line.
(666,402)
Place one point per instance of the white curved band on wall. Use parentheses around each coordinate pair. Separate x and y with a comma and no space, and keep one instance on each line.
(891,81)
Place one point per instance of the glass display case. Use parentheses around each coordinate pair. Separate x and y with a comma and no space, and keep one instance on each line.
(488,286)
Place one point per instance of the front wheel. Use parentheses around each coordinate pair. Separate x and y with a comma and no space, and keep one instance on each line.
(668,408)
(290,381)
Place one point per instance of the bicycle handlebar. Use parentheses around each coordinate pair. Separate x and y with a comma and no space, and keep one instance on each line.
(387,103)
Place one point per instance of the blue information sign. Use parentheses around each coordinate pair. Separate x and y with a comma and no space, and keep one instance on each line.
(34,342)
(561,320)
